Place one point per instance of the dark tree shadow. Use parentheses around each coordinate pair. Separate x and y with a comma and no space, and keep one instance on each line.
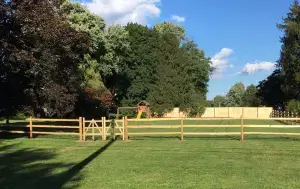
(27,168)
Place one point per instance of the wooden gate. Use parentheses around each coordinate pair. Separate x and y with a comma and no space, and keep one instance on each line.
(116,128)
(103,128)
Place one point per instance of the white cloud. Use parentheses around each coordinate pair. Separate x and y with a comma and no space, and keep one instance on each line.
(220,62)
(178,18)
(124,11)
(251,68)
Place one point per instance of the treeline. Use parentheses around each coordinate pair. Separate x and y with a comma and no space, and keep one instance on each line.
(60,60)
(281,89)
(238,96)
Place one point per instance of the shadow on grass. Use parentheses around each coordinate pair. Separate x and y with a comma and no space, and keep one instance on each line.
(27,168)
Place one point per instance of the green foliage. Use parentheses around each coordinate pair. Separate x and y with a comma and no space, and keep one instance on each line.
(41,56)
(219,101)
(59,59)
(269,90)
(169,27)
(289,61)
(293,106)
(250,97)
(282,85)
(235,95)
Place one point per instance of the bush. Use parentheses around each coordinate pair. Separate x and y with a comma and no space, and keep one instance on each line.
(19,116)
(293,106)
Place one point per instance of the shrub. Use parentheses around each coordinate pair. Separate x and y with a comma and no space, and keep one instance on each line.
(293,106)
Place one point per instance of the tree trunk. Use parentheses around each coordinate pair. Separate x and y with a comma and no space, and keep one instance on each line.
(7,120)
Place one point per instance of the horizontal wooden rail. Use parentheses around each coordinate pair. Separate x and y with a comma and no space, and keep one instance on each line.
(53,120)
(270,133)
(212,126)
(272,126)
(153,127)
(178,119)
(13,125)
(89,121)
(17,132)
(211,133)
(275,119)
(55,126)
(211,118)
(53,133)
(156,133)
(154,119)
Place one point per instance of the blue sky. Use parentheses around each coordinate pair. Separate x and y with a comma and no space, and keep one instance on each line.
(245,30)
(248,27)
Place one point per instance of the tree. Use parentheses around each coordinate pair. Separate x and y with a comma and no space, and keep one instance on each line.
(102,64)
(219,101)
(270,92)
(250,97)
(289,61)
(293,106)
(169,27)
(195,70)
(41,54)
(235,94)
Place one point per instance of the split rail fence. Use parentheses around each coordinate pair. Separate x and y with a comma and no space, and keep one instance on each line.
(125,128)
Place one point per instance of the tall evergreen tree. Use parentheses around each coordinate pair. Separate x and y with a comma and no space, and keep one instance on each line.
(289,61)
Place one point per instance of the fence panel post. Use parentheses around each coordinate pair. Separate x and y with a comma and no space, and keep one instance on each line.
(181,123)
(80,128)
(30,127)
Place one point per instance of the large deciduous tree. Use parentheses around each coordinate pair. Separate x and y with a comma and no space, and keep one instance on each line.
(250,97)
(40,53)
(219,101)
(101,66)
(235,94)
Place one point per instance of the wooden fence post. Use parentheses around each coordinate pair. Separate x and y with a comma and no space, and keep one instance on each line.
(30,127)
(242,126)
(103,128)
(181,123)
(83,128)
(93,129)
(80,128)
(126,128)
(123,124)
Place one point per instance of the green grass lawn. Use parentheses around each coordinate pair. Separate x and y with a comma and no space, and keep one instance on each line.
(202,163)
